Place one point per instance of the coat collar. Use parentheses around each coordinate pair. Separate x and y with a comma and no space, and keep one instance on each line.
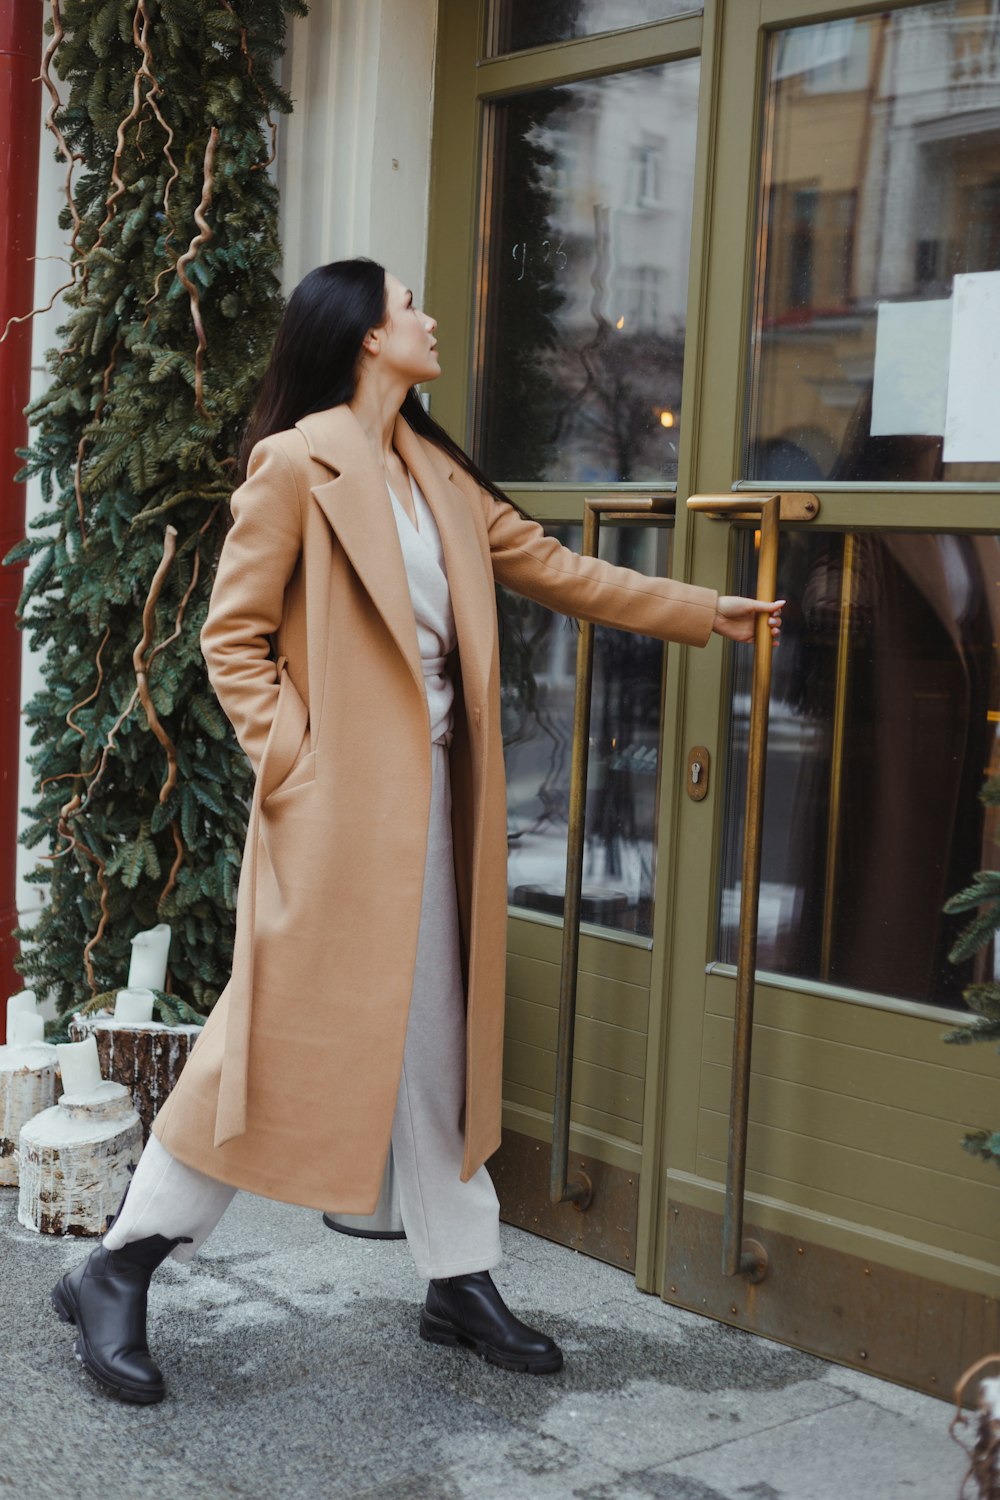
(356,503)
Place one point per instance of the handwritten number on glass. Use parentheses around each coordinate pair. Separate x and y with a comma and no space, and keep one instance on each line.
(546,255)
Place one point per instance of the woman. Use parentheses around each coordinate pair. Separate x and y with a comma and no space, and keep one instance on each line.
(367,993)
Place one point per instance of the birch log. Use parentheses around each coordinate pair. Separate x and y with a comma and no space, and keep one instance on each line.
(75,1161)
(28,1084)
(146,1056)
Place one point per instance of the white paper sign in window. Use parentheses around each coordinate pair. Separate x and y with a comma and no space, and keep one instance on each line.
(972,423)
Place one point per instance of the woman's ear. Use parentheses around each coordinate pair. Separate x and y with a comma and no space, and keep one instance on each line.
(370,342)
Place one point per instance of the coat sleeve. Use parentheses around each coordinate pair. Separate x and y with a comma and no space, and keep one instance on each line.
(257,560)
(531,563)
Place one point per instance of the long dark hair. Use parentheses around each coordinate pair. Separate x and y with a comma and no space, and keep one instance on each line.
(317,355)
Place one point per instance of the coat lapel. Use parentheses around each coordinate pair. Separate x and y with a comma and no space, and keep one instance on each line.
(470,578)
(356,503)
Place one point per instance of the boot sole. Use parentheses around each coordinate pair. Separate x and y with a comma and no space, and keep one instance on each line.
(439,1331)
(64,1303)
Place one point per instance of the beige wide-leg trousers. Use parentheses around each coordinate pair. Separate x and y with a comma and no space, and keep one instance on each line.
(452,1227)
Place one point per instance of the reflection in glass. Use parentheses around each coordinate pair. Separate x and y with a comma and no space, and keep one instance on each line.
(582,340)
(881,186)
(884,724)
(538,666)
(516,24)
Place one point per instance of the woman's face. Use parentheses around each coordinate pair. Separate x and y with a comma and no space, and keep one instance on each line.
(406,342)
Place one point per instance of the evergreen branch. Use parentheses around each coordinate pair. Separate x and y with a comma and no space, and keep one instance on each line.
(153,94)
(141,666)
(178,499)
(257,165)
(118,186)
(71,809)
(78,489)
(189,257)
(50,124)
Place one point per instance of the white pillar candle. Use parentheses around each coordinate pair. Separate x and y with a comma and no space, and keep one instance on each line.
(26,1028)
(23,1000)
(148,969)
(134,1005)
(79,1065)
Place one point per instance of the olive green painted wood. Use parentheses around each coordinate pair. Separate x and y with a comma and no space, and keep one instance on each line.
(614,1094)
(585,1140)
(587,56)
(606,1045)
(599,997)
(815,1111)
(823,1226)
(625,960)
(955,1216)
(540,1099)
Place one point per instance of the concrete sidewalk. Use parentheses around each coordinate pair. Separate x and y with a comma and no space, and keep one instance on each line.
(294,1369)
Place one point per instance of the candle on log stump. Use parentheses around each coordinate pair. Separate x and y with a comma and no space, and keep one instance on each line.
(29,1083)
(147,1057)
(75,1161)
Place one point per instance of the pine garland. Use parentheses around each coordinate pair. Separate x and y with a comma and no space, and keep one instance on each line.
(141,791)
(983,898)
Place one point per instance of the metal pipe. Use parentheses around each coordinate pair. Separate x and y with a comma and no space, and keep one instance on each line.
(20,125)
(844,628)
(560,1189)
(737,1257)
(734,1260)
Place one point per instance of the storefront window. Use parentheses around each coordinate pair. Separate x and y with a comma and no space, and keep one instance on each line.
(884,724)
(538,666)
(877,306)
(581,347)
(516,24)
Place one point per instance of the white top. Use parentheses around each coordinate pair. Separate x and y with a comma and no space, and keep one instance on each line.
(423,556)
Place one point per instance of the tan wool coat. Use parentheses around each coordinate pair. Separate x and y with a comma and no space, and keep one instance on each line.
(291,1088)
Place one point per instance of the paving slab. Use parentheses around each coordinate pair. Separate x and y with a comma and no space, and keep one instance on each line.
(294,1368)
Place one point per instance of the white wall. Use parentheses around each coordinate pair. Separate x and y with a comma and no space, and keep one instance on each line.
(353,168)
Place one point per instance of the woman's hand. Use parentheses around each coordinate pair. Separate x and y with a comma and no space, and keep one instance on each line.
(736,618)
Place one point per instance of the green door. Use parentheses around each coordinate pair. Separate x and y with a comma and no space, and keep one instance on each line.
(749,246)
(564,195)
(845,337)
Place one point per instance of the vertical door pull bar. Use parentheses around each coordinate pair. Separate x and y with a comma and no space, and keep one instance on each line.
(624,510)
(749,1259)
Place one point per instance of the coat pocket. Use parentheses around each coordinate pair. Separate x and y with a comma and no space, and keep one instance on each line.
(303,773)
(287,739)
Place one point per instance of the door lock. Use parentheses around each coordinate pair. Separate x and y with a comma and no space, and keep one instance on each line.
(697,773)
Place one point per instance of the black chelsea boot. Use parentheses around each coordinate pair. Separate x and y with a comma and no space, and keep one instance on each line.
(105,1297)
(469,1310)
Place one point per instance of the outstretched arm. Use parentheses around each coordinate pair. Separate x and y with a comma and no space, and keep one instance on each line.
(531,563)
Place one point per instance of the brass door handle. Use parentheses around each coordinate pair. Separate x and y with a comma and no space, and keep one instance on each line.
(793,505)
(739,1256)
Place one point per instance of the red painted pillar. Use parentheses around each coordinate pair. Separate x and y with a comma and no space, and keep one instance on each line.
(20,113)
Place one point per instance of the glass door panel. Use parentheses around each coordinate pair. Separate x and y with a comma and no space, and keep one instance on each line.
(884,723)
(877,305)
(584,279)
(537,674)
